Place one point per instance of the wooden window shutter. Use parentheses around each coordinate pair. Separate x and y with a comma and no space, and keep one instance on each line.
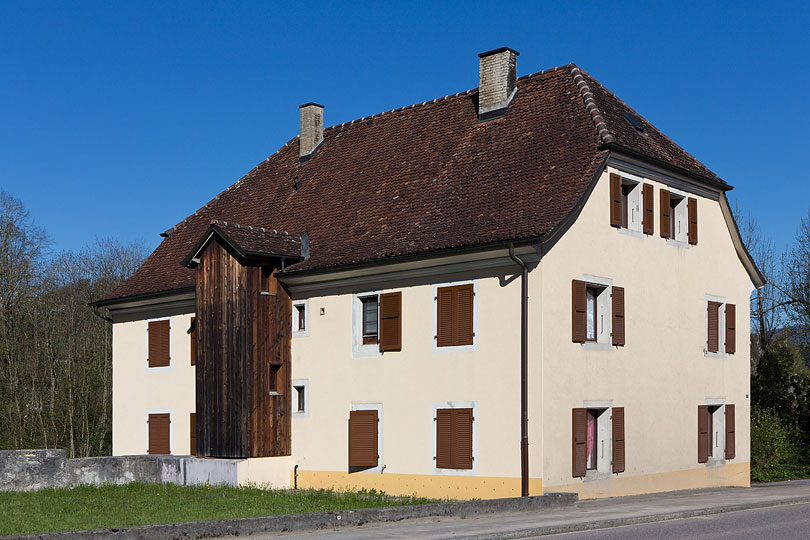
(444,317)
(193,339)
(363,427)
(578,440)
(703,433)
(391,322)
(193,434)
(159,433)
(649,209)
(692,231)
(618,315)
(464,314)
(731,329)
(665,210)
(462,431)
(713,310)
(444,438)
(159,343)
(578,311)
(618,439)
(615,200)
(730,442)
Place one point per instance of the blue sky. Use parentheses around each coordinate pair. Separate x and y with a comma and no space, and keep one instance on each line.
(119,119)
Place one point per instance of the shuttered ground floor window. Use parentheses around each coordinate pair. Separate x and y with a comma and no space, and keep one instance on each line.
(364,449)
(597,441)
(716,432)
(159,429)
(454,438)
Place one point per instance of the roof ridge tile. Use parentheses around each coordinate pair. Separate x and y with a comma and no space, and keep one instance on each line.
(590,104)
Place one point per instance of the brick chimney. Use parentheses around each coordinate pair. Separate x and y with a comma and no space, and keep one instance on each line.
(497,70)
(311,135)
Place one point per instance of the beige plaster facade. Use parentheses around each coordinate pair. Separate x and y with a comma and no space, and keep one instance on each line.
(660,376)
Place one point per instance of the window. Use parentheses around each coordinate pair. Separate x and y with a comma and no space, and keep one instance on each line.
(300,318)
(159,340)
(626,200)
(300,404)
(597,440)
(678,217)
(454,438)
(454,315)
(274,382)
(721,316)
(159,433)
(265,281)
(370,319)
(193,434)
(597,313)
(364,447)
(716,432)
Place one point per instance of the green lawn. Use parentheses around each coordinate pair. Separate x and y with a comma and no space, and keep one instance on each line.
(93,507)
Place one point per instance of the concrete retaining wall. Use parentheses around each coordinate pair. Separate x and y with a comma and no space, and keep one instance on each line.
(25,470)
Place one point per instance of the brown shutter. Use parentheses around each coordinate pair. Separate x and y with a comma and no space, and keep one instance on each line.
(615,200)
(159,343)
(578,309)
(665,210)
(159,429)
(444,317)
(618,316)
(391,322)
(713,309)
(579,434)
(464,314)
(193,434)
(731,329)
(363,427)
(462,438)
(618,439)
(703,433)
(649,209)
(193,340)
(692,231)
(730,442)
(444,438)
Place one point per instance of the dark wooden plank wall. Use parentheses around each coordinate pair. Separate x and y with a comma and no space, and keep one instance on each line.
(240,334)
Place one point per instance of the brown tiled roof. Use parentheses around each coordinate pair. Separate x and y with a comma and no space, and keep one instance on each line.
(425,178)
(249,241)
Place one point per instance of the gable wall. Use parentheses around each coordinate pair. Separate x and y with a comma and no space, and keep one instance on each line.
(661,375)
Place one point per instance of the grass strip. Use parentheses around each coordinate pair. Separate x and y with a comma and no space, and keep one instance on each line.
(94,507)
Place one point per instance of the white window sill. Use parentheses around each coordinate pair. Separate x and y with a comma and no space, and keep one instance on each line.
(708,354)
(716,462)
(274,394)
(596,346)
(678,243)
(594,475)
(631,232)
(300,334)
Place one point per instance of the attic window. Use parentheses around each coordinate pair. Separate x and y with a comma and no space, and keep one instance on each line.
(633,120)
(296,184)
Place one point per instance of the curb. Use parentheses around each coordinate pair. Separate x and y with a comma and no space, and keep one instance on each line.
(313,521)
(621,522)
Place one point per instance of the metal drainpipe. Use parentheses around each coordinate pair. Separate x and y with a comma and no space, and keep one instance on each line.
(524,369)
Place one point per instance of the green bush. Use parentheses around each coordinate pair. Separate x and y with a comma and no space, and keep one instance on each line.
(775,452)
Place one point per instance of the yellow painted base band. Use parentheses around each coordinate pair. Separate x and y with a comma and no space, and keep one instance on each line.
(619,485)
(423,485)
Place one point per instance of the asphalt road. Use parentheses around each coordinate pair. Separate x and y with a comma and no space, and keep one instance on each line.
(791,522)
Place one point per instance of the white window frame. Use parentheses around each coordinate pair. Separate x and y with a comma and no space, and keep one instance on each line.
(170,412)
(457,405)
(680,239)
(360,349)
(721,327)
(305,384)
(295,314)
(379,408)
(604,312)
(635,205)
(171,345)
(604,439)
(455,348)
(717,438)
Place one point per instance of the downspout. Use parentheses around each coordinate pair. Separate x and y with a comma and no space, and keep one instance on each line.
(524,368)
